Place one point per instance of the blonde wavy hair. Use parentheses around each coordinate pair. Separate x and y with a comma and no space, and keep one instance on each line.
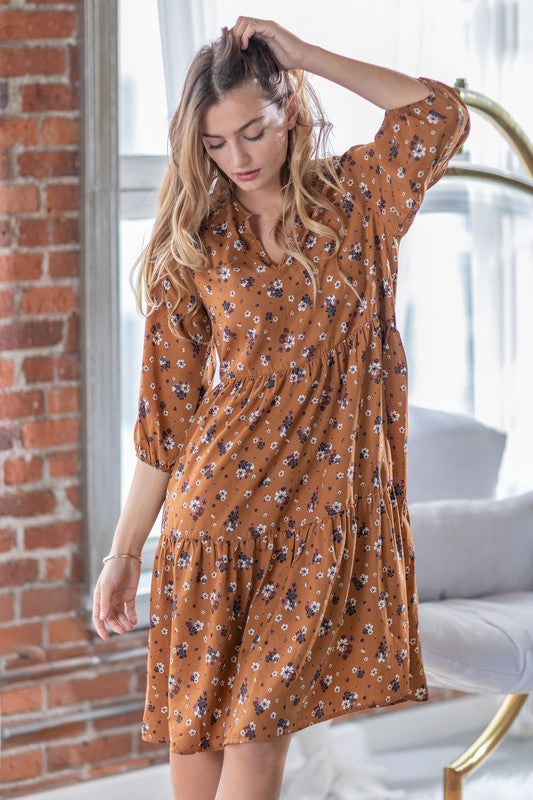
(193,189)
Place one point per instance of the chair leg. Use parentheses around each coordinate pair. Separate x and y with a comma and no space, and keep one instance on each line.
(486,742)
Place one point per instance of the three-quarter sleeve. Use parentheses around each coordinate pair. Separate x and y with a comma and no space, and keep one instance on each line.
(173,377)
(409,154)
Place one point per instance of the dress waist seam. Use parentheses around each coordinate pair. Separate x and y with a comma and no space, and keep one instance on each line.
(348,342)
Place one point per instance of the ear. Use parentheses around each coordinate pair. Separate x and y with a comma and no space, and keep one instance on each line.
(293,109)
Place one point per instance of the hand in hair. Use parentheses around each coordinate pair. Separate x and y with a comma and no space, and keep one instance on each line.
(289,50)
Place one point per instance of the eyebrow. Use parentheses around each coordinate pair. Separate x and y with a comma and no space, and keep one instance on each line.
(218,136)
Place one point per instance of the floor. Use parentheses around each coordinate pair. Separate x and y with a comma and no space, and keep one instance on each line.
(369,759)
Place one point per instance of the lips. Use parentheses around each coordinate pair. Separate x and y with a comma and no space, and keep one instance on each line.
(246,176)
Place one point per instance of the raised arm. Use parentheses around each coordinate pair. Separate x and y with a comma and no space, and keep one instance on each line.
(424,125)
(382,86)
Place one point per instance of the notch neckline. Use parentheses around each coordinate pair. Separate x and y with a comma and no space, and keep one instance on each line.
(262,251)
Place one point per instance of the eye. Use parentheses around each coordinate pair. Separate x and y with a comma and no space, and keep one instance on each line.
(249,138)
(255,138)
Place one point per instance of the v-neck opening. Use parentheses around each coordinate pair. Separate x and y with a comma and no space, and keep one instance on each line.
(265,257)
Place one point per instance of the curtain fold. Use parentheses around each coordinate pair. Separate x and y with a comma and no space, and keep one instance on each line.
(185,26)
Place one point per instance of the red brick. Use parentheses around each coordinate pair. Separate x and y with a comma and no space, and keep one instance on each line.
(49,600)
(7,303)
(5,233)
(116,767)
(64,464)
(7,607)
(27,698)
(27,504)
(38,24)
(17,335)
(51,432)
(62,652)
(39,368)
(60,131)
(15,130)
(72,334)
(18,571)
(20,61)
(19,470)
(5,165)
(64,263)
(74,496)
(20,766)
(104,748)
(68,367)
(48,300)
(7,539)
(65,231)
(63,399)
(64,692)
(70,731)
(34,232)
(7,438)
(77,567)
(62,197)
(56,569)
(67,629)
(74,62)
(16,198)
(49,97)
(21,266)
(42,232)
(15,405)
(49,163)
(47,368)
(57,534)
(118,720)
(15,637)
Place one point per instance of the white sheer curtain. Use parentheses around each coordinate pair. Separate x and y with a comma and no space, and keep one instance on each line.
(185,26)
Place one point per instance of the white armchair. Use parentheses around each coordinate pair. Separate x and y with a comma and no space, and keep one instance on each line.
(474,557)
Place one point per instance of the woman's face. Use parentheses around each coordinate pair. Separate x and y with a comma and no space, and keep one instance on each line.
(244,133)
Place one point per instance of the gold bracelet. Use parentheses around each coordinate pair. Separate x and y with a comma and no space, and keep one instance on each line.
(122,555)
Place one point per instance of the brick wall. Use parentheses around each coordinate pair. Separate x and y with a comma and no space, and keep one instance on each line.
(42,626)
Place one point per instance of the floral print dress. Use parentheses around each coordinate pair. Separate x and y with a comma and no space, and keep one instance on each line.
(283,590)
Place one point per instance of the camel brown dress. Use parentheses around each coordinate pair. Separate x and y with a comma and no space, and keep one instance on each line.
(283,591)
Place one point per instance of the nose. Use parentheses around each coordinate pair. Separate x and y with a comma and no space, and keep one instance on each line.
(240,158)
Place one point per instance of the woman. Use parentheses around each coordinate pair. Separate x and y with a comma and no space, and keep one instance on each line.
(283,588)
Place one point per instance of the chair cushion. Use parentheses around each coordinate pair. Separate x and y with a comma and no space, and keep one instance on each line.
(479,645)
(471,548)
(451,455)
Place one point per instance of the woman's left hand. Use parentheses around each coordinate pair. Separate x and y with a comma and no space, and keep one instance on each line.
(289,49)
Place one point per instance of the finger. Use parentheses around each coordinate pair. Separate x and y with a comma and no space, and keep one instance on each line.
(115,625)
(102,616)
(120,618)
(247,34)
(104,603)
(97,622)
(124,621)
(237,28)
(99,625)
(130,611)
